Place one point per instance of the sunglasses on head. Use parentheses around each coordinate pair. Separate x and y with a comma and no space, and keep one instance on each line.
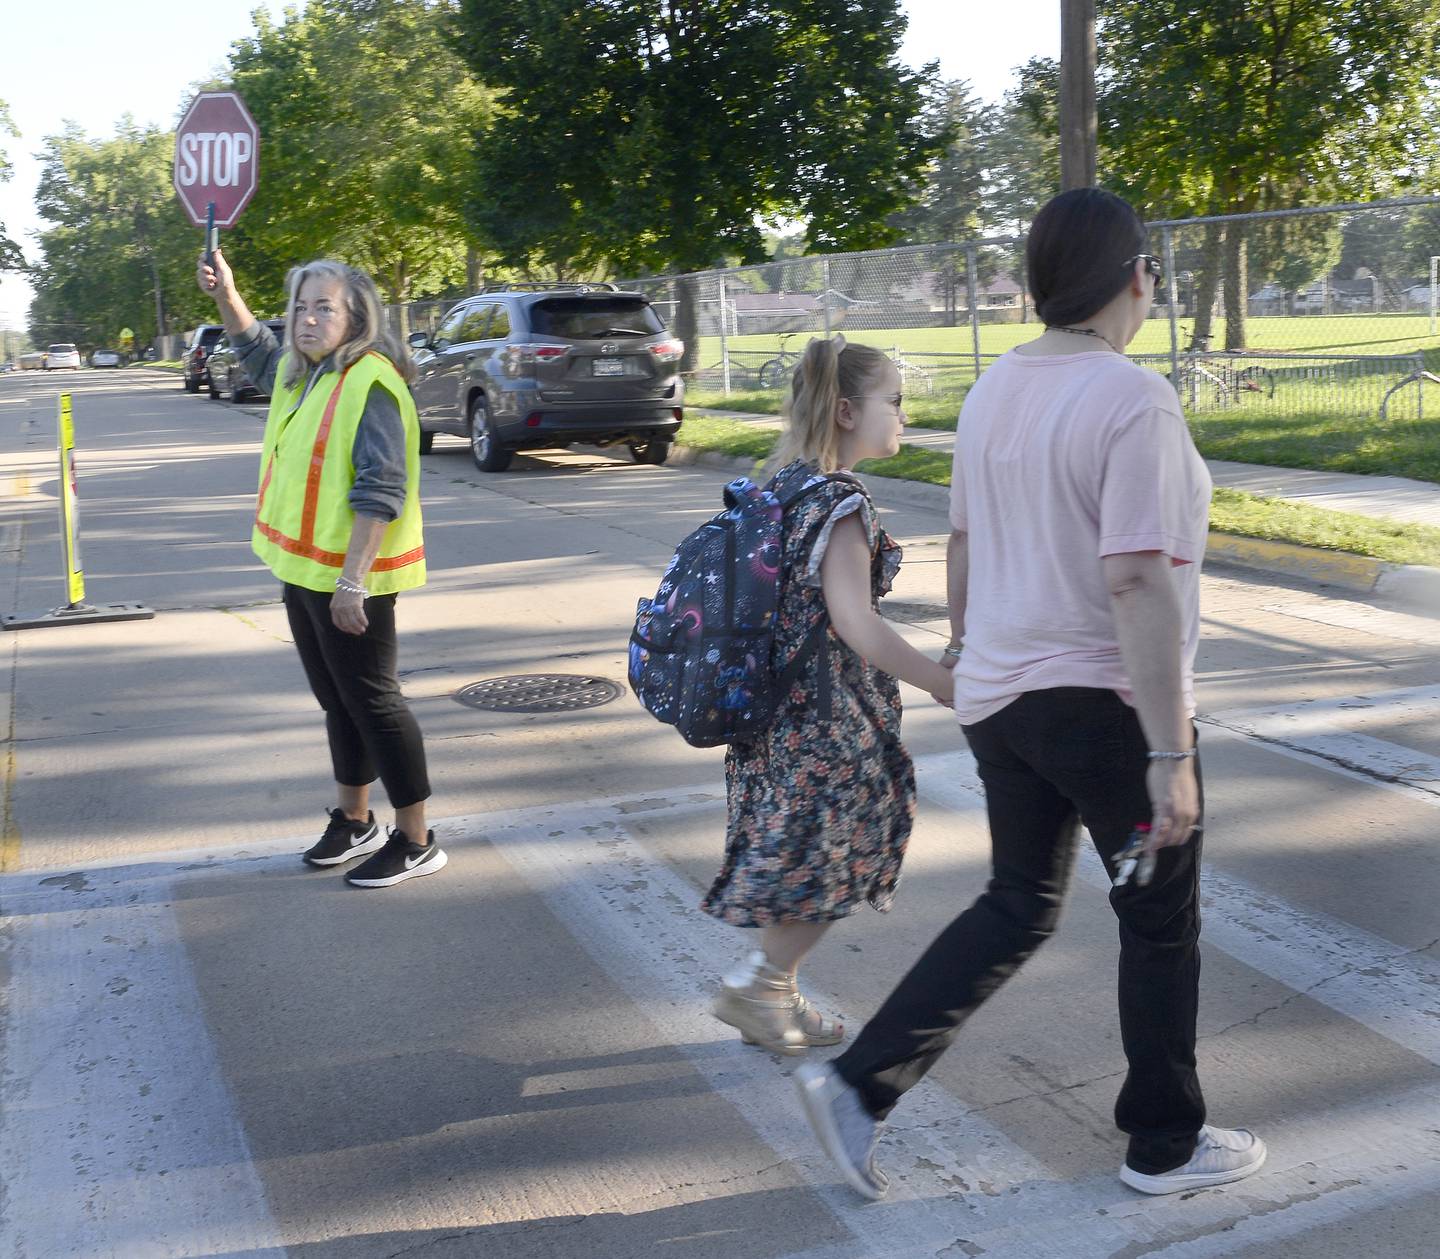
(1152,266)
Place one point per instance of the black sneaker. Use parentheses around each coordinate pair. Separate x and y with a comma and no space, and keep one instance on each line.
(344,840)
(399,860)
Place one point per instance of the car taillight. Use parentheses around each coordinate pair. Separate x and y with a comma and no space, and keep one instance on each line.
(519,357)
(199,353)
(667,351)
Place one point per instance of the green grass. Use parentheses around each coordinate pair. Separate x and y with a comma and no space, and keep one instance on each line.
(165,364)
(1250,516)
(1318,334)
(1231,511)
(934,411)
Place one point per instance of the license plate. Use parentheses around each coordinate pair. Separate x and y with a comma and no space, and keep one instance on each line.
(607,367)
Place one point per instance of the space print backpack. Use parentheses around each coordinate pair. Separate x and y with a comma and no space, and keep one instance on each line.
(701,649)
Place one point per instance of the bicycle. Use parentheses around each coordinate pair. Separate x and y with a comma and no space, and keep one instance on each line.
(775,373)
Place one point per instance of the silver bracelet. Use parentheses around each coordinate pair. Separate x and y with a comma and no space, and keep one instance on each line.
(953,652)
(351,587)
(1171,756)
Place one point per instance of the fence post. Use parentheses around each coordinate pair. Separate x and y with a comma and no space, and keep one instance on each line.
(724,339)
(971,301)
(825,292)
(1169,252)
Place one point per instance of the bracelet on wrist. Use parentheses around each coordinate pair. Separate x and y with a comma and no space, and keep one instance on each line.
(351,587)
(1171,756)
(953,651)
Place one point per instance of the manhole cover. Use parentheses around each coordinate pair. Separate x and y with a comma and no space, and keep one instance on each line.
(538,693)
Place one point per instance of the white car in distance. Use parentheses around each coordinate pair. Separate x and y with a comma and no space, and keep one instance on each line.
(64,354)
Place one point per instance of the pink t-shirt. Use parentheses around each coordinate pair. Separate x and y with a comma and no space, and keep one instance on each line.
(1060,460)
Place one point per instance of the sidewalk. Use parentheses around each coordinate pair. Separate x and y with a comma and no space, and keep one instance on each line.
(1384,497)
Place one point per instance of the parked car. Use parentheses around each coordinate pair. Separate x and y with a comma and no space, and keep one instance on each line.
(106,358)
(524,367)
(226,375)
(196,355)
(62,354)
(32,360)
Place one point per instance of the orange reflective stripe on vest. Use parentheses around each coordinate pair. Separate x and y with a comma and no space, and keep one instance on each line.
(304,546)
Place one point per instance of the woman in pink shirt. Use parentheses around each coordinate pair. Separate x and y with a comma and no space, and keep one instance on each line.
(1079,514)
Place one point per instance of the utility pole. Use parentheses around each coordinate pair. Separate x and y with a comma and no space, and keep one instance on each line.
(1077,93)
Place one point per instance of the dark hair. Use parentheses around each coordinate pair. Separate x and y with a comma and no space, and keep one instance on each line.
(1076,253)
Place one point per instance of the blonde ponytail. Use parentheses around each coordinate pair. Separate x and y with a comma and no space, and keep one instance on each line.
(830,369)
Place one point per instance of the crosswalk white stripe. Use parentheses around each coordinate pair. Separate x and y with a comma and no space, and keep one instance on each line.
(119,1135)
(1325,730)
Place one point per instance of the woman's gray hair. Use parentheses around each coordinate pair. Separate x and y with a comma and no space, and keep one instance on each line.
(368,329)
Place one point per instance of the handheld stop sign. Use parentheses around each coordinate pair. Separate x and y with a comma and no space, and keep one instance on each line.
(217,162)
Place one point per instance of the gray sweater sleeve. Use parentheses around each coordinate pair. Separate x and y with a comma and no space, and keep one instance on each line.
(259,354)
(378,455)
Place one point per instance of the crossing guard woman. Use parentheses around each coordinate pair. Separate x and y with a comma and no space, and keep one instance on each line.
(337,520)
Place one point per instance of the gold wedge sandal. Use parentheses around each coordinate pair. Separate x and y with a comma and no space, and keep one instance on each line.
(767,1008)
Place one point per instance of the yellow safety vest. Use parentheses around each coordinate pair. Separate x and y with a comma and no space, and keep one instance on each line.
(303,517)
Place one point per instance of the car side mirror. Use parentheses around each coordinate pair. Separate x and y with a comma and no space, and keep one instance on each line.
(418,340)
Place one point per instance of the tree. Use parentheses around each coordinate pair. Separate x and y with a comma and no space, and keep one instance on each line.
(119,251)
(649,135)
(950,199)
(1023,147)
(1217,106)
(365,116)
(11,259)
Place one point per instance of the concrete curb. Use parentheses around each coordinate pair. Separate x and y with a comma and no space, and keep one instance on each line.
(1412,585)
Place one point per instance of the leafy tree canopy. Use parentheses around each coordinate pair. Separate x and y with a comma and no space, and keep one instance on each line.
(11,259)
(651,134)
(119,251)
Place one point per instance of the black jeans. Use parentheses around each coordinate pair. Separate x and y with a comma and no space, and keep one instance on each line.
(1048,760)
(353,676)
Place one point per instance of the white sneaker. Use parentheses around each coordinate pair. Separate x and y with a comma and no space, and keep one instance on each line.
(848,1133)
(1221,1155)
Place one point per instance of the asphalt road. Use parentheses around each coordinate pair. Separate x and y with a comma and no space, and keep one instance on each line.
(209,1049)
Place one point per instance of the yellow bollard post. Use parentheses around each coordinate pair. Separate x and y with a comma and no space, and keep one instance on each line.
(75,609)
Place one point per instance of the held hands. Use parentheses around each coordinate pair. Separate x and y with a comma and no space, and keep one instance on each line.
(347,612)
(944,693)
(216,281)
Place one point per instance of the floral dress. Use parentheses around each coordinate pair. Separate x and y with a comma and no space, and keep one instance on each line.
(820,806)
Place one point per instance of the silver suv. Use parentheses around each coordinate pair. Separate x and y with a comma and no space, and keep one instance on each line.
(525,367)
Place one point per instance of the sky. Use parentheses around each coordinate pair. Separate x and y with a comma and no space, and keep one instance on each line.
(90,61)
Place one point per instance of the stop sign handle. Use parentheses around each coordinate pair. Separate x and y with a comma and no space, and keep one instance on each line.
(212,235)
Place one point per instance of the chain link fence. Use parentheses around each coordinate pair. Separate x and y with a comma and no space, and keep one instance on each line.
(1327,312)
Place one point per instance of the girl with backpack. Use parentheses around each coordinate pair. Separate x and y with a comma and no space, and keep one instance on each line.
(821,803)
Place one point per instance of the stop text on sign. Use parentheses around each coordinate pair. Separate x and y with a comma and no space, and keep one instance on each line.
(214,157)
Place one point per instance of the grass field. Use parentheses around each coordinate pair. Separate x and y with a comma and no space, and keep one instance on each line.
(1302,415)
(1317,334)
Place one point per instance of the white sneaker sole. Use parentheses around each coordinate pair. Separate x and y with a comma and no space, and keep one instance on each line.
(812,1080)
(436,863)
(1173,1182)
(374,844)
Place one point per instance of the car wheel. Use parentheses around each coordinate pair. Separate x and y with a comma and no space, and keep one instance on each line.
(215,394)
(427,442)
(485,447)
(650,452)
